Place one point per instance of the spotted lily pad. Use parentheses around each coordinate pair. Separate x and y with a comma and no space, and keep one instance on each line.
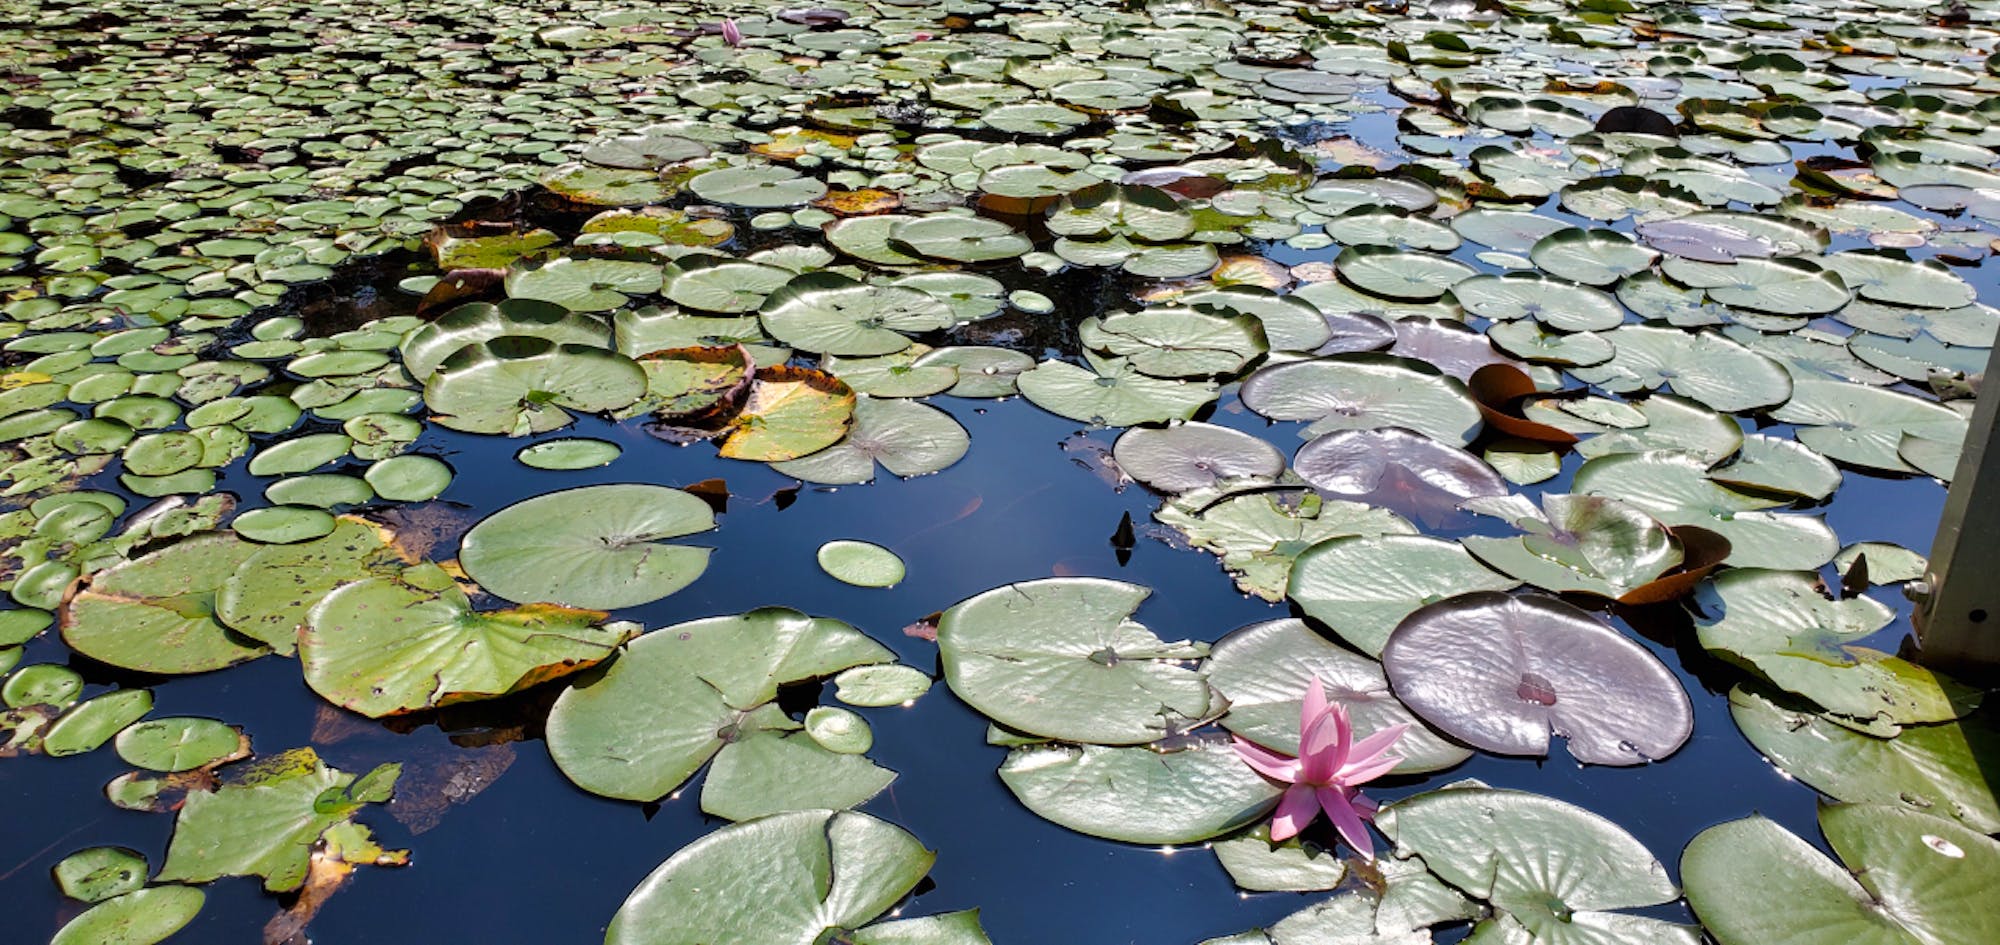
(156,613)
(1257,536)
(594,546)
(790,412)
(140,917)
(1504,673)
(267,820)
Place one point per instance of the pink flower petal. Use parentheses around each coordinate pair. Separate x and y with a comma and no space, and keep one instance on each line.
(1368,748)
(1295,810)
(1354,775)
(1268,763)
(1341,811)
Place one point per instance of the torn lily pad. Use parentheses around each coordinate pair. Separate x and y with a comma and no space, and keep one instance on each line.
(1258,533)
(267,819)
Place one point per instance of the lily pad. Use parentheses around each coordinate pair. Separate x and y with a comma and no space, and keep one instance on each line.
(1865,426)
(569,454)
(679,695)
(829,313)
(1362,392)
(1583,544)
(1675,489)
(1363,586)
(1258,537)
(835,872)
(1111,392)
(1193,456)
(99,873)
(1909,879)
(1552,871)
(180,744)
(1399,469)
(1062,658)
(883,684)
(1138,795)
(861,564)
(908,439)
(601,547)
(790,412)
(520,385)
(390,646)
(1701,366)
(1779,625)
(1504,673)
(140,917)
(156,613)
(267,820)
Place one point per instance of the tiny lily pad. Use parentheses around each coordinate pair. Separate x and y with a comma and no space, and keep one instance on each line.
(180,744)
(569,454)
(883,684)
(839,731)
(861,564)
(99,873)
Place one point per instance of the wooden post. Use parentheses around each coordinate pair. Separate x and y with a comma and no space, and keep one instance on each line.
(1958,601)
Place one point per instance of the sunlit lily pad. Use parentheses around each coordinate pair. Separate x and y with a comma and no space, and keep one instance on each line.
(835,872)
(1779,625)
(860,563)
(595,546)
(1700,366)
(1504,674)
(1583,544)
(1551,870)
(1258,536)
(1111,392)
(678,696)
(390,646)
(1138,795)
(1675,489)
(832,314)
(1193,456)
(95,874)
(520,385)
(140,917)
(1399,469)
(1909,878)
(156,613)
(1062,658)
(1362,587)
(267,820)
(790,412)
(1361,392)
(1864,426)
(907,439)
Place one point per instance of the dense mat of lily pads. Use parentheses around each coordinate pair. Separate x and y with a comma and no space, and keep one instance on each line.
(1641,283)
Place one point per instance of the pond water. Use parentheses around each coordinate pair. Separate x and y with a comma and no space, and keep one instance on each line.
(1332,153)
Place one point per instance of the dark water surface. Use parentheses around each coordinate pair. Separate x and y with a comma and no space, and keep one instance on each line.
(533,860)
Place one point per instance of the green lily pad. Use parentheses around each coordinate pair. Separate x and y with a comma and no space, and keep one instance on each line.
(679,695)
(721,284)
(1111,391)
(1258,538)
(1256,864)
(1176,342)
(1551,871)
(520,385)
(268,596)
(1865,426)
(180,744)
(584,285)
(87,726)
(1932,769)
(283,525)
(156,613)
(1364,392)
(1582,544)
(426,347)
(829,313)
(861,564)
(772,764)
(1909,879)
(48,684)
(1778,625)
(595,546)
(884,684)
(1062,658)
(1700,366)
(389,646)
(1401,274)
(140,917)
(1138,795)
(1675,489)
(99,873)
(835,871)
(268,818)
(569,454)
(1363,586)
(756,186)
(838,730)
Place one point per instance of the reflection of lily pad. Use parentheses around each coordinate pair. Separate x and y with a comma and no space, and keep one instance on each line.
(594,546)
(1504,673)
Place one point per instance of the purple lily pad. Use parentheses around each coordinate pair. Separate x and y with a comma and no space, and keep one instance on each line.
(1193,456)
(1355,332)
(1448,346)
(1503,673)
(1398,469)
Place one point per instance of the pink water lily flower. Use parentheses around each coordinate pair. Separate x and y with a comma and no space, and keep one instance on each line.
(731,34)
(1328,772)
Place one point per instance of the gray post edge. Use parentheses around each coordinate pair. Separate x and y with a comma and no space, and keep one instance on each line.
(1958,602)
